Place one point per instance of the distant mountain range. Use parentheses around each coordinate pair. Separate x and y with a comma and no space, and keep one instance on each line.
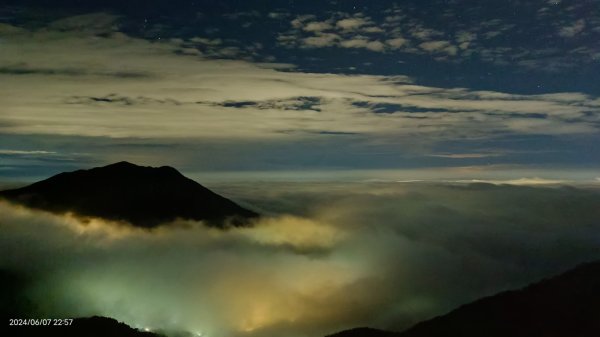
(142,196)
(567,305)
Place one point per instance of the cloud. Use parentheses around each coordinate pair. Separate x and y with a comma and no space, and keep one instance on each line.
(39,157)
(396,42)
(120,100)
(360,31)
(300,234)
(277,15)
(7,29)
(465,39)
(301,20)
(137,78)
(94,23)
(220,275)
(25,152)
(372,30)
(572,30)
(465,155)
(535,181)
(293,103)
(27,69)
(352,23)
(342,31)
(333,256)
(363,43)
(321,40)
(498,40)
(206,41)
(423,33)
(118,88)
(439,47)
(316,26)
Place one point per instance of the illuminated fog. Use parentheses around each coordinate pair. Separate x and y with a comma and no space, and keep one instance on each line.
(325,257)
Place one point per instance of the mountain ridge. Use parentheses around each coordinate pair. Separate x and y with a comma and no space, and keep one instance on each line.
(565,305)
(143,196)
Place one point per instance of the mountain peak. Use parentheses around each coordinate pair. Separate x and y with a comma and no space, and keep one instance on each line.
(125,166)
(122,164)
(141,195)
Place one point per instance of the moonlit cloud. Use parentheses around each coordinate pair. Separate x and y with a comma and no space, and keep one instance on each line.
(369,80)
(396,42)
(351,23)
(439,46)
(141,77)
(520,182)
(465,155)
(363,43)
(321,40)
(316,26)
(471,40)
(21,152)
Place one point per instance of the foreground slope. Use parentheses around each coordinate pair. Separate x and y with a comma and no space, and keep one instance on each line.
(364,332)
(142,196)
(567,305)
(80,327)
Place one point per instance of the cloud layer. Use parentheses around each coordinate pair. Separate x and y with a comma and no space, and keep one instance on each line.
(82,86)
(119,86)
(331,256)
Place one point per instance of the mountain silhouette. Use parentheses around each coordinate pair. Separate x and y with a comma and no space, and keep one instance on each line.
(95,326)
(567,305)
(142,196)
(364,332)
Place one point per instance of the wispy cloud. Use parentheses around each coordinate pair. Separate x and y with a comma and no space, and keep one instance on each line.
(25,152)
(572,30)
(519,182)
(465,155)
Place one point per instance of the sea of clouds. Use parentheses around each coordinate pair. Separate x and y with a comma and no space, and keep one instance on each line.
(323,258)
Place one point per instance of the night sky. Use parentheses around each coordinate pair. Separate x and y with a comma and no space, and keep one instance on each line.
(310,89)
